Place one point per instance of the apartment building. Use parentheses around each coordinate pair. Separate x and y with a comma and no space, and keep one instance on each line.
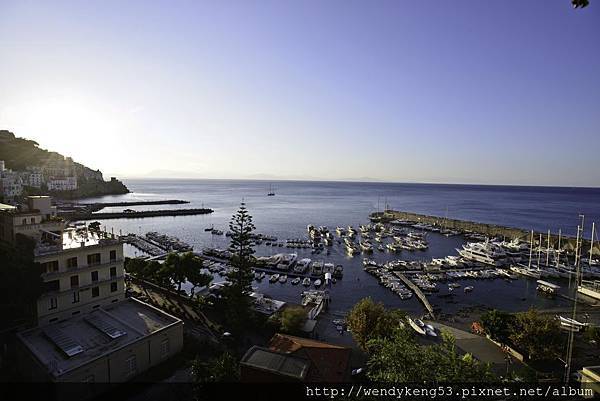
(87,329)
(62,183)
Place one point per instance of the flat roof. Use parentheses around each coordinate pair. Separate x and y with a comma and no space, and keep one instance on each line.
(92,335)
(275,362)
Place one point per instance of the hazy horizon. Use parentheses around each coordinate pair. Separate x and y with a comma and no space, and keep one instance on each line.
(482,93)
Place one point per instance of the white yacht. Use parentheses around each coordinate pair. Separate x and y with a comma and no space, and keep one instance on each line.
(484,252)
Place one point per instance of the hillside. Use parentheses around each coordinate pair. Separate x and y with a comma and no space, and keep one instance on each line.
(20,154)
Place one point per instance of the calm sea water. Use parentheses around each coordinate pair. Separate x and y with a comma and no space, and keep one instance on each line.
(298,204)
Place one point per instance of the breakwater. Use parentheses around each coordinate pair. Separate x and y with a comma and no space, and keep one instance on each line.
(101,205)
(139,214)
(489,230)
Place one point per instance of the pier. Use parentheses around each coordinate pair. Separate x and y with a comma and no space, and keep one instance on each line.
(137,215)
(488,230)
(418,293)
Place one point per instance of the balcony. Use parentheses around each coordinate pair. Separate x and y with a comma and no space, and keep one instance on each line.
(82,268)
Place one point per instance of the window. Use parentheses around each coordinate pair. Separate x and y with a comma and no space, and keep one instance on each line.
(95,276)
(72,262)
(50,286)
(50,267)
(164,348)
(75,297)
(53,303)
(24,221)
(93,259)
(113,272)
(113,256)
(95,292)
(74,281)
(32,220)
(113,287)
(131,366)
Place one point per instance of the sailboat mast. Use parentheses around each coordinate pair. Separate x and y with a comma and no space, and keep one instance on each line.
(558,249)
(592,244)
(539,251)
(530,249)
(548,250)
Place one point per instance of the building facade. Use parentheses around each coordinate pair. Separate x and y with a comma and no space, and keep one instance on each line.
(62,183)
(87,329)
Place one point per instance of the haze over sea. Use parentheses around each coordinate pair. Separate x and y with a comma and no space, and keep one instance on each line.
(298,203)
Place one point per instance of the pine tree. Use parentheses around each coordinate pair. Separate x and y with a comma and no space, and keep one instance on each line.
(240,277)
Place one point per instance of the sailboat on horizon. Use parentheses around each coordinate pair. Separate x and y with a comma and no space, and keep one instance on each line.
(271,192)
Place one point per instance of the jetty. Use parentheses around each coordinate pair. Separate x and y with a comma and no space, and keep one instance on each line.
(485,229)
(137,214)
(418,293)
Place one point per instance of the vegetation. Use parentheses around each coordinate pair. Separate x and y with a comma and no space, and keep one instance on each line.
(399,358)
(224,368)
(369,320)
(535,334)
(17,301)
(237,294)
(176,270)
(292,319)
(21,153)
(498,325)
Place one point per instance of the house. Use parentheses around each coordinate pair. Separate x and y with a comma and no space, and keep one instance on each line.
(295,359)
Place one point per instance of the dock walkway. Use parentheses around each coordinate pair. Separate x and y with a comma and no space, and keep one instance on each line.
(418,293)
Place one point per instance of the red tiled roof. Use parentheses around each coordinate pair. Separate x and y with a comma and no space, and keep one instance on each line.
(329,362)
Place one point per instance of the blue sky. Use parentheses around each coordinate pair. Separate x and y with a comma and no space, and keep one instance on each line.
(502,92)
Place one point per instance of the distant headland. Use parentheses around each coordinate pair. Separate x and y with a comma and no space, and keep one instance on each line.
(26,169)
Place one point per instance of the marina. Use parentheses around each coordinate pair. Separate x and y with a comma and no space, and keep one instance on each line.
(426,255)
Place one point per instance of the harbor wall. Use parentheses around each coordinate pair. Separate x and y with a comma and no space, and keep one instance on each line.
(489,230)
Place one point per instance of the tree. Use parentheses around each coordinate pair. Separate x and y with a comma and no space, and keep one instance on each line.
(592,334)
(224,368)
(536,334)
(175,269)
(94,226)
(237,294)
(368,320)
(192,266)
(399,358)
(292,319)
(498,324)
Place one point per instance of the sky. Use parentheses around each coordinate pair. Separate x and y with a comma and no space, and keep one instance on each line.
(489,92)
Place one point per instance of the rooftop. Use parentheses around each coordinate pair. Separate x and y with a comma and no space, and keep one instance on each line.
(69,344)
(276,363)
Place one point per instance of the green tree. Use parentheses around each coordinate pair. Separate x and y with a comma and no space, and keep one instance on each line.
(535,334)
(593,334)
(224,368)
(498,324)
(292,319)
(94,226)
(368,320)
(192,266)
(237,294)
(399,358)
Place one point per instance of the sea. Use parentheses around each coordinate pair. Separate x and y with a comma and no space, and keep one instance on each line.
(299,203)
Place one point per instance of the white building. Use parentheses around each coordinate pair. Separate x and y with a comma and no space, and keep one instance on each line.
(11,185)
(87,329)
(62,183)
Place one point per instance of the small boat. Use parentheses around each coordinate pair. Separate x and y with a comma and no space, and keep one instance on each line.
(209,228)
(430,331)
(274,278)
(306,282)
(283,278)
(420,323)
(415,326)
(317,283)
(468,288)
(296,281)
